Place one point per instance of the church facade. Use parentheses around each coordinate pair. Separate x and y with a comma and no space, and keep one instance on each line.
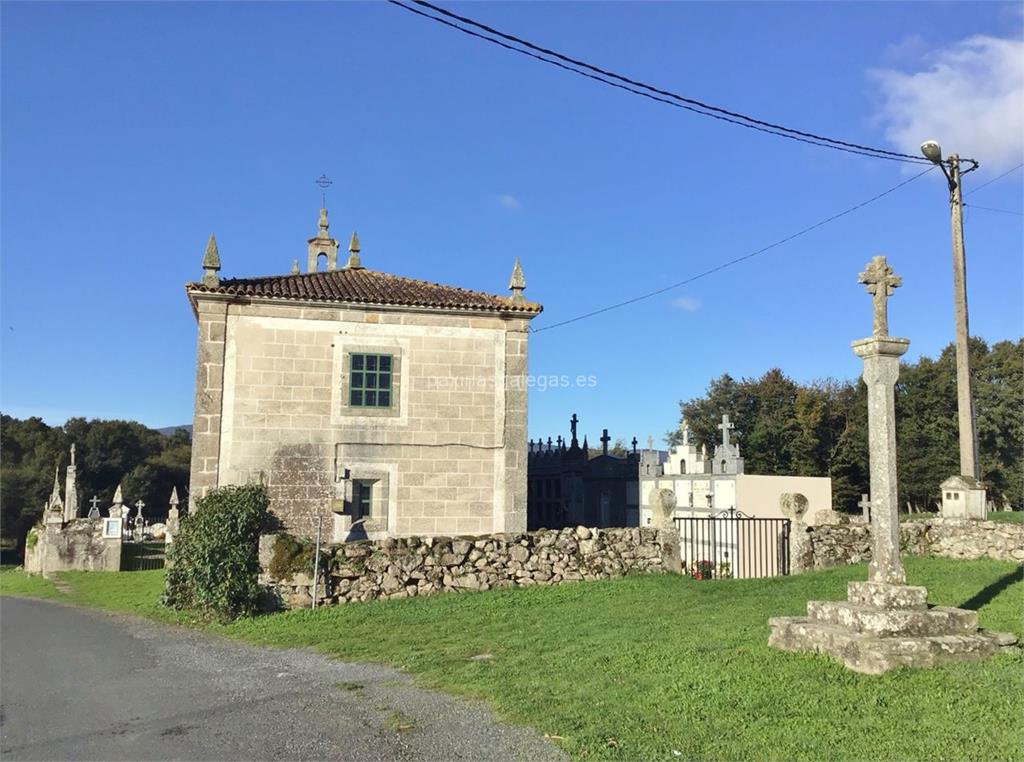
(371,405)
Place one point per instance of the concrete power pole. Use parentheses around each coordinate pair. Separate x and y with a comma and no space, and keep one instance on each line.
(964,399)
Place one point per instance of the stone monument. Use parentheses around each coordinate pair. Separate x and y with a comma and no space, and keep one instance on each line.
(173,517)
(71,489)
(885,623)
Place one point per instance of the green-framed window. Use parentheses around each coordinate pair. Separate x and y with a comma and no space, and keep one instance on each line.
(370,380)
(362,500)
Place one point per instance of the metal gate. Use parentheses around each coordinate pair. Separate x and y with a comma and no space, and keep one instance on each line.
(142,556)
(732,544)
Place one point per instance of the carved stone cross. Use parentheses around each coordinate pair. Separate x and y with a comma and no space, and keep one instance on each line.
(726,426)
(880,282)
(572,425)
(865,506)
(685,429)
(94,512)
(650,443)
(140,505)
(605,439)
(634,445)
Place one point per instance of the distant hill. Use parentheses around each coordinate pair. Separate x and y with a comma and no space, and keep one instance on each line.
(168,430)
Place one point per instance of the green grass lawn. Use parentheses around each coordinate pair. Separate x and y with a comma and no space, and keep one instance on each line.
(1012,517)
(663,667)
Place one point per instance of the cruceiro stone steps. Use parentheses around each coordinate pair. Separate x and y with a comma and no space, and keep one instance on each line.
(883,626)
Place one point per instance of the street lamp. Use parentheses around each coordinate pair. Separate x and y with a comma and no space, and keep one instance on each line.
(964,399)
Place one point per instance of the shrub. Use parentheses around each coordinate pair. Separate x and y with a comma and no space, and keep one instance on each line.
(291,556)
(214,560)
(32,539)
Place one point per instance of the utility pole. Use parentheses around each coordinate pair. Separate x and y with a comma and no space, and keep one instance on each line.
(964,397)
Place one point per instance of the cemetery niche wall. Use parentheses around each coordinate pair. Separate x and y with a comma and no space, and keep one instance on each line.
(568,485)
(67,540)
(706,486)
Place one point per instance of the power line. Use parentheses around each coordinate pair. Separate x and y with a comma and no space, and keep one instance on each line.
(1000,177)
(649,91)
(990,209)
(732,262)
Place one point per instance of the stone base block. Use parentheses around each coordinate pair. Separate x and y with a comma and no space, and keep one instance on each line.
(882,595)
(873,655)
(884,626)
(886,622)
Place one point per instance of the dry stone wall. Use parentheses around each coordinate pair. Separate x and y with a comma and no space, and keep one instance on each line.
(412,566)
(821,547)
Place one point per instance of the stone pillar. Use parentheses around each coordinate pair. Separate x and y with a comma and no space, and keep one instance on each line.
(881,357)
(663,509)
(71,489)
(513,518)
(206,421)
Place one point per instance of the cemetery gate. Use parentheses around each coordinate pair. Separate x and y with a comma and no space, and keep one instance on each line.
(732,544)
(139,552)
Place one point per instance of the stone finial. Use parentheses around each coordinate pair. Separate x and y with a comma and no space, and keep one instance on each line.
(323,225)
(354,262)
(517,283)
(295,267)
(880,281)
(174,497)
(211,264)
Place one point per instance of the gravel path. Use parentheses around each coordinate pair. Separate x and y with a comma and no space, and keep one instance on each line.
(82,684)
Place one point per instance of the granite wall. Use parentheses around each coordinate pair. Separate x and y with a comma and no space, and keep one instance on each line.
(411,566)
(77,545)
(821,547)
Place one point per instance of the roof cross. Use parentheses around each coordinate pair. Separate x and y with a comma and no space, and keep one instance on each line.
(605,439)
(726,426)
(324,182)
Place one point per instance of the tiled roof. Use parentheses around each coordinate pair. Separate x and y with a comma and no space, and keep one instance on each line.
(360,286)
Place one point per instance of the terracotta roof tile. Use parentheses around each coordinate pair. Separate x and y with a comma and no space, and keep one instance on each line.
(359,286)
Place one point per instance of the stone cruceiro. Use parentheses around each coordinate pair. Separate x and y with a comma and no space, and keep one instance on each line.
(885,623)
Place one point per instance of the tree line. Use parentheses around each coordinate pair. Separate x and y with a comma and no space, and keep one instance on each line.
(145,462)
(820,428)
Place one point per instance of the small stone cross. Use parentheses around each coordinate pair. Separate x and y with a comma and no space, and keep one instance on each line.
(605,439)
(685,430)
(140,505)
(650,443)
(634,445)
(880,282)
(94,512)
(572,425)
(726,426)
(865,506)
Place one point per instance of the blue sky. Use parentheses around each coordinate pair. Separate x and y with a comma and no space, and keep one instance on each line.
(131,131)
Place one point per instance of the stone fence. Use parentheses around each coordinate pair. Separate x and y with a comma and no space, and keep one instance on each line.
(410,566)
(76,545)
(824,546)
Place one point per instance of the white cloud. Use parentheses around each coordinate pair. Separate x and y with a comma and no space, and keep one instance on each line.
(508,201)
(969,97)
(687,303)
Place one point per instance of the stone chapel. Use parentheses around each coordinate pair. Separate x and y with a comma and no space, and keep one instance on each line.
(370,404)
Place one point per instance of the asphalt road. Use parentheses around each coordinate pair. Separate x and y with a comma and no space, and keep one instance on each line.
(80,684)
